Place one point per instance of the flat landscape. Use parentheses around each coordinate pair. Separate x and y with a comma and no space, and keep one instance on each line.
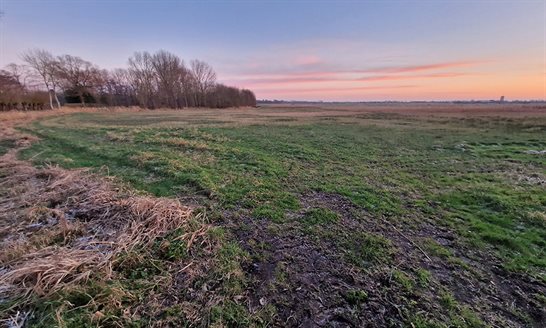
(376,215)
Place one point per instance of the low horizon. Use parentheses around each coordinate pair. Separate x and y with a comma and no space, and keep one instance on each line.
(326,51)
(499,101)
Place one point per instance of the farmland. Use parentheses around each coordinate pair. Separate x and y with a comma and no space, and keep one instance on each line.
(422,215)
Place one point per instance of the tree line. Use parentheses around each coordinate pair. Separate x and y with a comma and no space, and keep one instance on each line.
(151,80)
(15,95)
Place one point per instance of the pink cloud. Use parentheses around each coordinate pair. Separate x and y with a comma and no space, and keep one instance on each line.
(322,68)
(333,90)
(388,73)
(309,76)
(307,60)
(420,68)
(408,77)
(328,77)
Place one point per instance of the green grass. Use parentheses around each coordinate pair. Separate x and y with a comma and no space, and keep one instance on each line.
(471,179)
(319,216)
(473,176)
(78,307)
(6,145)
(423,277)
(354,296)
(365,249)
(448,301)
(403,279)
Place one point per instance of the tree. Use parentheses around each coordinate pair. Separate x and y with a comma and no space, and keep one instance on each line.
(142,75)
(17,72)
(113,88)
(151,81)
(204,78)
(14,95)
(78,76)
(45,65)
(222,96)
(11,91)
(248,98)
(185,83)
(121,78)
(168,68)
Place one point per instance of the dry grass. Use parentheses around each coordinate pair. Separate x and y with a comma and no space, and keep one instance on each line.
(25,116)
(185,143)
(50,269)
(59,228)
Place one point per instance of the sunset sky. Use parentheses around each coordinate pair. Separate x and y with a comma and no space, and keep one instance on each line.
(307,50)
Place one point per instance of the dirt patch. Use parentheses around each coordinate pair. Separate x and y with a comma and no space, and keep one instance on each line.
(304,282)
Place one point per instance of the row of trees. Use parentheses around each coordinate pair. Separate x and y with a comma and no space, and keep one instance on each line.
(14,95)
(152,81)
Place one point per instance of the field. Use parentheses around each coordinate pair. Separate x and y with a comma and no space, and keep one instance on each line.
(417,215)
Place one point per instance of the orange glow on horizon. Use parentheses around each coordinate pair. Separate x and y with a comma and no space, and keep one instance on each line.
(439,81)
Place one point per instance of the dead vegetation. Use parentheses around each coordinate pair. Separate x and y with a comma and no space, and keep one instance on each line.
(13,117)
(61,228)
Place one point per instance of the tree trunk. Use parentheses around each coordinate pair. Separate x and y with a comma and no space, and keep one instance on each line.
(57,100)
(50,99)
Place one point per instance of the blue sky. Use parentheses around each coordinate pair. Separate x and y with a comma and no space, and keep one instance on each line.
(317,50)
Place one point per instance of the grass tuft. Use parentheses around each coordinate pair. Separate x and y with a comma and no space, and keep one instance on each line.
(319,216)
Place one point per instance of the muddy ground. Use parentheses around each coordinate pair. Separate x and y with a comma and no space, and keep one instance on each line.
(311,285)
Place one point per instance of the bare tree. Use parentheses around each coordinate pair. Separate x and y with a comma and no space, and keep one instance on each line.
(11,91)
(17,72)
(44,64)
(151,81)
(184,89)
(168,68)
(77,75)
(121,78)
(143,79)
(248,98)
(222,96)
(204,78)
(113,88)
(14,95)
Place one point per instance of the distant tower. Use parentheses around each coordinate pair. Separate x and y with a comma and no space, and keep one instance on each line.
(502,99)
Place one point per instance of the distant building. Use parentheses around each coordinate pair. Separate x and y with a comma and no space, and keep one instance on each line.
(502,99)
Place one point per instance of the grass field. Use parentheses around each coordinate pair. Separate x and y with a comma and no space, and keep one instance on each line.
(390,216)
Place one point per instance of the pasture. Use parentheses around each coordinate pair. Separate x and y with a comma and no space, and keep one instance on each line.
(416,215)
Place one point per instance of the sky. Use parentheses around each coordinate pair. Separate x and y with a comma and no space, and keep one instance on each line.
(307,50)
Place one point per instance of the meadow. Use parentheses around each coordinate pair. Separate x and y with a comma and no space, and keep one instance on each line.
(421,215)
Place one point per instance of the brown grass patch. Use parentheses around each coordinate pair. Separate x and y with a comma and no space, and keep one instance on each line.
(59,228)
(25,116)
